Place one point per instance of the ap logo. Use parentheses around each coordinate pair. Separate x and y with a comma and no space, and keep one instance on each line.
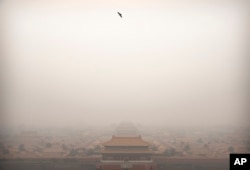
(239,161)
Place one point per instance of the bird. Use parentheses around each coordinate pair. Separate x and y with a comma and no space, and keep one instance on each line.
(119,14)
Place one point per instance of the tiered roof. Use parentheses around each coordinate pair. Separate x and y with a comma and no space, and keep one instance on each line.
(126,151)
(126,141)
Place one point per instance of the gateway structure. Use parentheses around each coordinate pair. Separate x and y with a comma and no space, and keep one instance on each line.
(126,152)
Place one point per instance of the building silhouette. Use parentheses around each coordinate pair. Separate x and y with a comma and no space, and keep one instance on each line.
(126,150)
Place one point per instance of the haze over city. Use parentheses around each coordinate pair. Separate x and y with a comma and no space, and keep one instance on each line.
(164,63)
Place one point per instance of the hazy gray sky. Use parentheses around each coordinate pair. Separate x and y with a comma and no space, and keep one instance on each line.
(165,62)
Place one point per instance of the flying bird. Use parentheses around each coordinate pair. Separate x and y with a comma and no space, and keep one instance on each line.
(119,14)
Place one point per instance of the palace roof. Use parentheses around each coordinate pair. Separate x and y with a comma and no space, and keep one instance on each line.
(124,151)
(126,141)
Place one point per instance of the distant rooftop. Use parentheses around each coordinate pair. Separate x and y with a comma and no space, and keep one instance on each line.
(126,129)
(126,151)
(126,141)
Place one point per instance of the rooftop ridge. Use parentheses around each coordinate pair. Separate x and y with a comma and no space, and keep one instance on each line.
(117,136)
(126,141)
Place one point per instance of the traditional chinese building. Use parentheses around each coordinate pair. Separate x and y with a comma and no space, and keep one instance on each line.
(124,152)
